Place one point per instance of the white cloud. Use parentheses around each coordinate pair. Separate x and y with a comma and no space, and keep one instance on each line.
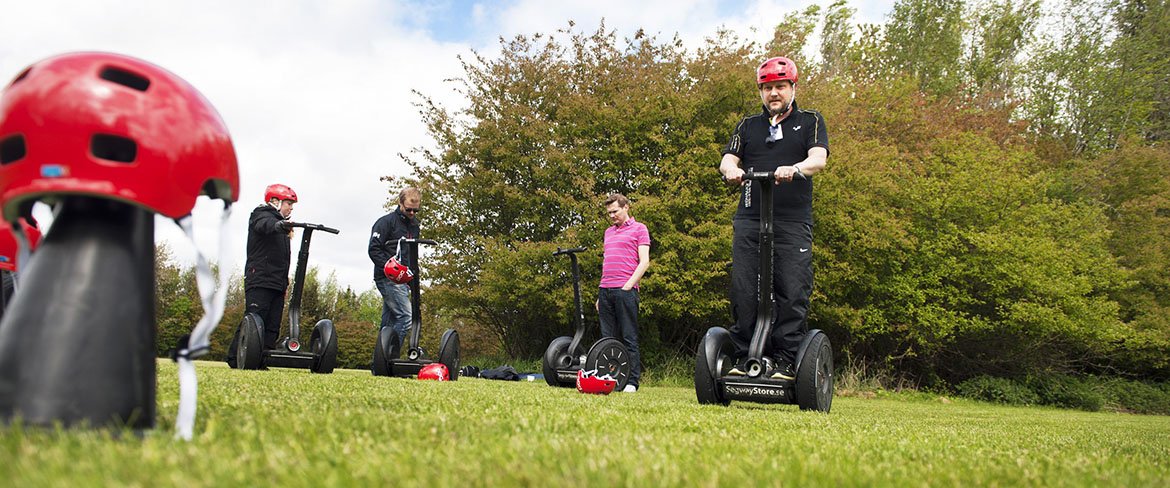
(317,96)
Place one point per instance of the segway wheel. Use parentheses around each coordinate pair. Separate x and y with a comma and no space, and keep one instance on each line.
(610,357)
(323,344)
(449,352)
(386,349)
(557,357)
(814,375)
(715,356)
(250,351)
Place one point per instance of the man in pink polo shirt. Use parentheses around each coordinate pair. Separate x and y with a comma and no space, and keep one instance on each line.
(627,255)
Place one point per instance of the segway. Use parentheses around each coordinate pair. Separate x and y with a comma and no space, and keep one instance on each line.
(813,387)
(321,357)
(565,356)
(388,347)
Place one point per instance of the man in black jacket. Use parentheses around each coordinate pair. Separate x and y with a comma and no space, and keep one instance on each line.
(266,270)
(793,144)
(387,230)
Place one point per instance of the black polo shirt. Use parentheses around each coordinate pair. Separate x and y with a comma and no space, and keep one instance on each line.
(801,131)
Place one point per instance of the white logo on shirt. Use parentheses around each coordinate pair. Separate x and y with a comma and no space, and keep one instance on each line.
(796,128)
(376,235)
(803,249)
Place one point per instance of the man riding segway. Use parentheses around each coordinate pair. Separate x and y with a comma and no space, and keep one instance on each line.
(768,352)
(266,269)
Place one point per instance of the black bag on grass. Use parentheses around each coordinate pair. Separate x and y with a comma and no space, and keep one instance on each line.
(504,372)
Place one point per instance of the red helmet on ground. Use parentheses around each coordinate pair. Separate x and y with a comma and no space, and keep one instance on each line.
(776,69)
(397,272)
(108,125)
(8,247)
(280,191)
(434,371)
(589,382)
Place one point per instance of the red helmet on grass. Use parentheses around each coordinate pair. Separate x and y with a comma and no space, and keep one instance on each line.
(589,382)
(776,69)
(397,272)
(277,190)
(107,125)
(434,371)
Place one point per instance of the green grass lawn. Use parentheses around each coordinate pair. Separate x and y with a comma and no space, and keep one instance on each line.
(291,428)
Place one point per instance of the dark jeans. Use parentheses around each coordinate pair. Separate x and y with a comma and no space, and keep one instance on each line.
(396,307)
(792,282)
(269,305)
(618,310)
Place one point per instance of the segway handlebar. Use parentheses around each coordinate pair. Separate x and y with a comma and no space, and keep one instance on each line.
(764,175)
(568,251)
(314,227)
(430,242)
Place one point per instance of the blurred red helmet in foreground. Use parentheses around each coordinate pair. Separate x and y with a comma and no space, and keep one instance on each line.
(106,125)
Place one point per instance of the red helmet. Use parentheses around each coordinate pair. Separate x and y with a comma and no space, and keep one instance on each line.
(434,371)
(397,272)
(280,191)
(589,382)
(108,125)
(776,69)
(8,247)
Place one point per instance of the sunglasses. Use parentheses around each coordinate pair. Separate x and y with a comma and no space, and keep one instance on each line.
(409,210)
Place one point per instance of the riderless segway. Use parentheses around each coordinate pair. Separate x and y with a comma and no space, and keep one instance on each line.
(321,357)
(565,356)
(813,387)
(389,346)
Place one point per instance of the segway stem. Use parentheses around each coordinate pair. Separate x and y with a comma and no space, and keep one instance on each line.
(415,294)
(580,332)
(765,304)
(294,304)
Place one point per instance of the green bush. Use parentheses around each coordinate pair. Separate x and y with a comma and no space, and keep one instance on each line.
(998,390)
(355,344)
(1138,396)
(1060,390)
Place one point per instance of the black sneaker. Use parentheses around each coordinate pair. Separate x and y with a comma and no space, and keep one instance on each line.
(782,370)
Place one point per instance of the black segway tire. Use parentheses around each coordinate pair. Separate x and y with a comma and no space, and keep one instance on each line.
(610,357)
(250,350)
(557,357)
(814,374)
(449,353)
(324,347)
(715,356)
(386,349)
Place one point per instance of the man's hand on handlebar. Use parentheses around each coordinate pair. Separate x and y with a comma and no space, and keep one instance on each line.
(733,176)
(788,173)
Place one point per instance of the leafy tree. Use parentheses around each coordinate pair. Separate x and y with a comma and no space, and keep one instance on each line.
(524,169)
(1001,33)
(923,39)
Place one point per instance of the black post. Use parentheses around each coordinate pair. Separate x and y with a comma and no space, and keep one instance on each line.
(77,342)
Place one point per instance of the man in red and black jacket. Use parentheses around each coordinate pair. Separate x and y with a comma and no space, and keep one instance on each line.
(384,236)
(266,270)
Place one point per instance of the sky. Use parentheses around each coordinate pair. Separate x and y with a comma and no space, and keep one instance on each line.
(318,95)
